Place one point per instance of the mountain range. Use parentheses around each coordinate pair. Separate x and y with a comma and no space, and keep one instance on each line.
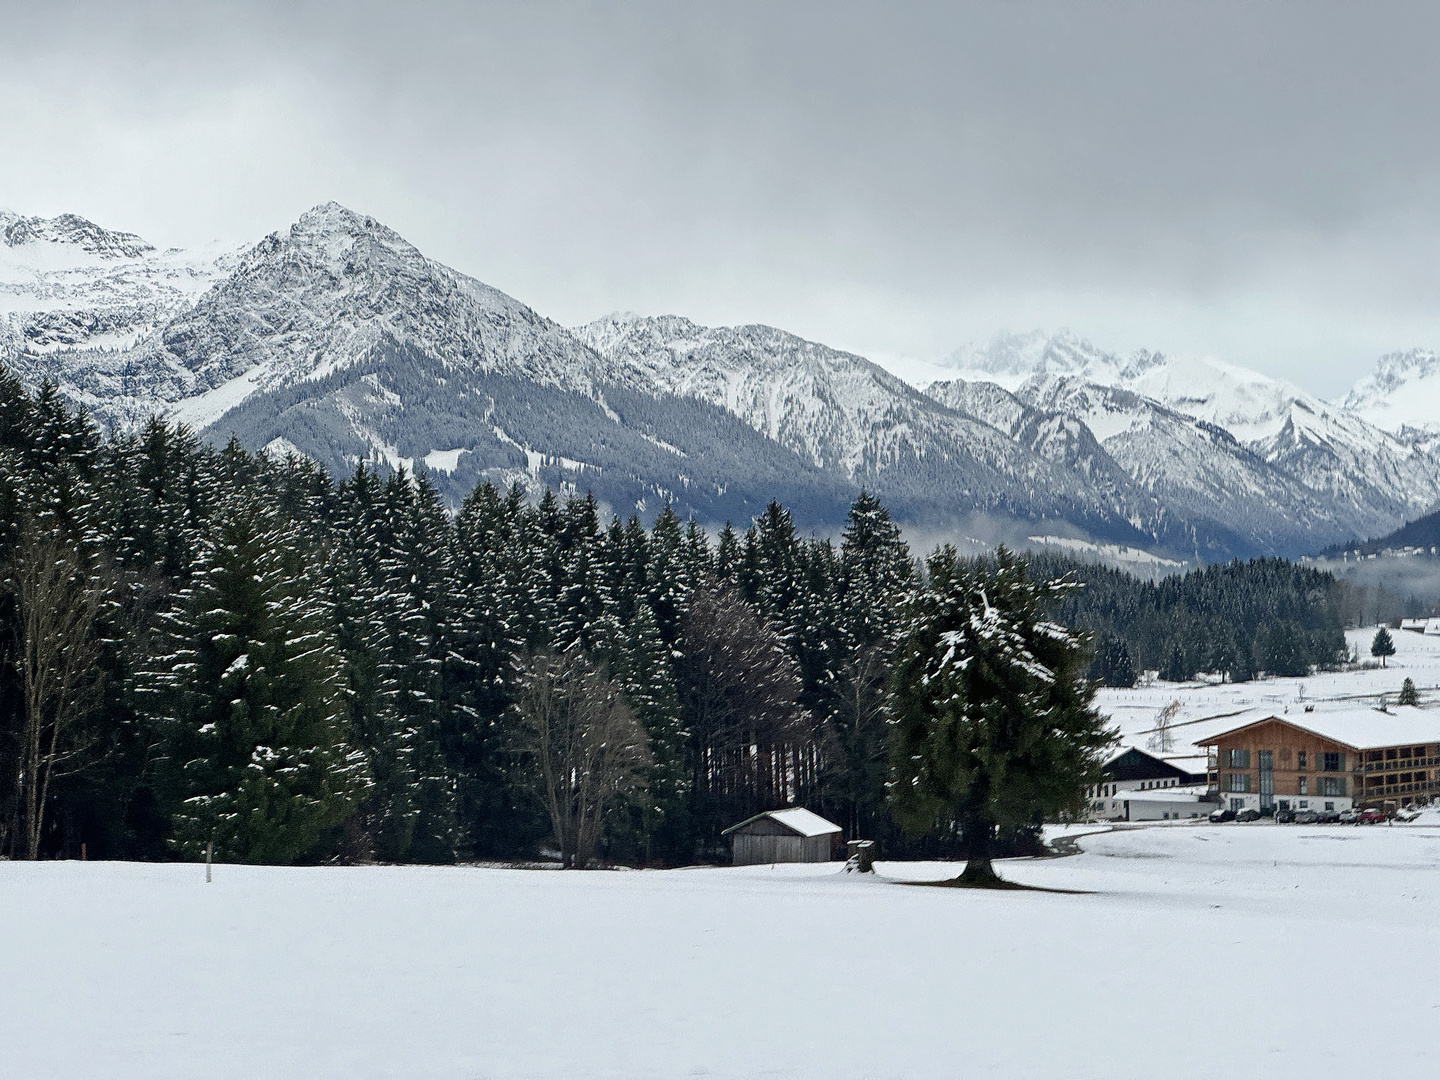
(337,339)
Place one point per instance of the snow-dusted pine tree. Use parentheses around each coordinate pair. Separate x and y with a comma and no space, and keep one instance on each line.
(993,722)
(1382,645)
(249,704)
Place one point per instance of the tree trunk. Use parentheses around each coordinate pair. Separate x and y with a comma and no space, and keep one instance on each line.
(978,830)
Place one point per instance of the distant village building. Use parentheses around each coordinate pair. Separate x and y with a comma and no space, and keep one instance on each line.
(1139,786)
(1421,626)
(791,835)
(1334,761)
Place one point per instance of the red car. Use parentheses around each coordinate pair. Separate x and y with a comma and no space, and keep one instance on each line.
(1371,816)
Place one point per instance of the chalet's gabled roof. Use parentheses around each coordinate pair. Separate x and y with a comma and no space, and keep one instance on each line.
(796,818)
(1359,729)
(1132,763)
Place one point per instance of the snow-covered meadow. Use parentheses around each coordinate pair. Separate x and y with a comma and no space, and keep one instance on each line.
(1234,949)
(1207,708)
(1193,950)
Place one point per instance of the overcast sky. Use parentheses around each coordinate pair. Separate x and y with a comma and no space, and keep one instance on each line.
(1256,181)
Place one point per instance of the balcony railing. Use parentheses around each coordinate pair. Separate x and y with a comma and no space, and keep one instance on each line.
(1401,765)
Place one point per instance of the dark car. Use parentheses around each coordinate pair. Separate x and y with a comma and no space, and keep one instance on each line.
(1284,817)
(1329,817)
(1222,815)
(1248,814)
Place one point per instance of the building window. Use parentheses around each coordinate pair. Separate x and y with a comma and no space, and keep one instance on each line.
(1304,788)
(1300,759)
(1391,779)
(1239,759)
(1374,755)
(1239,781)
(1332,785)
(1391,755)
(1284,804)
(1334,762)
(1329,806)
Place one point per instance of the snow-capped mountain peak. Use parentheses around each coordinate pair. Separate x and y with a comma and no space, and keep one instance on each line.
(1010,359)
(69,232)
(1403,391)
(336,337)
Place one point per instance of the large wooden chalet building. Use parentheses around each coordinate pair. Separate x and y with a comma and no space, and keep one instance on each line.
(1328,761)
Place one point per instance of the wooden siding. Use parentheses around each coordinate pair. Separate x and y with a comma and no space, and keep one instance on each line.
(749,848)
(1287,743)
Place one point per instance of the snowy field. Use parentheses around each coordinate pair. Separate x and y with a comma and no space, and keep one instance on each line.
(1208,708)
(1238,950)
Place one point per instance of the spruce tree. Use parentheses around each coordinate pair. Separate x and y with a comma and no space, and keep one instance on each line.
(873,582)
(1382,645)
(1112,665)
(993,723)
(1175,669)
(249,704)
(1408,694)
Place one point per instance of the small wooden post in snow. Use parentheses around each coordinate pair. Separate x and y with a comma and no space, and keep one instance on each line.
(862,856)
(209,849)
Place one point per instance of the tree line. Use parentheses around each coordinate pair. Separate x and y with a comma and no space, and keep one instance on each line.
(209,650)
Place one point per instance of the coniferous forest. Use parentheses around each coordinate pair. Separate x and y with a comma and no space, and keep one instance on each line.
(208,649)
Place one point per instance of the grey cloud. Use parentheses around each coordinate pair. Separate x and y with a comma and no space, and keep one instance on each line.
(1254,180)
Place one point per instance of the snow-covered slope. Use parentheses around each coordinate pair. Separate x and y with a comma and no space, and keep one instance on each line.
(838,410)
(337,338)
(1403,392)
(1198,470)
(77,302)
(1335,467)
(311,301)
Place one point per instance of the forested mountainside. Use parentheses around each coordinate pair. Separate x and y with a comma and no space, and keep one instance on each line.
(339,340)
(292,668)
(1422,533)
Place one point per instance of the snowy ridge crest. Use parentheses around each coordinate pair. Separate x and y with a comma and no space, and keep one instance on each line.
(337,338)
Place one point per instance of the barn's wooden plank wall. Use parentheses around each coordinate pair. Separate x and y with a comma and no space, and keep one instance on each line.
(750,849)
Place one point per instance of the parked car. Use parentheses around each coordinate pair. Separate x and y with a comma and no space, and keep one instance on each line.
(1329,817)
(1284,817)
(1248,814)
(1406,813)
(1306,817)
(1349,817)
(1218,816)
(1372,816)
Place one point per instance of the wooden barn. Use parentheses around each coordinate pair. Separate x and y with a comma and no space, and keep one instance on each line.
(790,835)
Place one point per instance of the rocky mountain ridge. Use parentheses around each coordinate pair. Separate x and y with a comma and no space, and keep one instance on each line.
(338,339)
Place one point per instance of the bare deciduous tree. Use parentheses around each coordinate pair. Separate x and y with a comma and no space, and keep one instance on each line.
(751,744)
(58,598)
(586,746)
(1163,738)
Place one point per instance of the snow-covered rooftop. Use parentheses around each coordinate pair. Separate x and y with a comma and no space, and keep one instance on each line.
(1360,728)
(1193,793)
(802,821)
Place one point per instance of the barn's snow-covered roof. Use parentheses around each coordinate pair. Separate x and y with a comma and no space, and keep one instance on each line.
(796,818)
